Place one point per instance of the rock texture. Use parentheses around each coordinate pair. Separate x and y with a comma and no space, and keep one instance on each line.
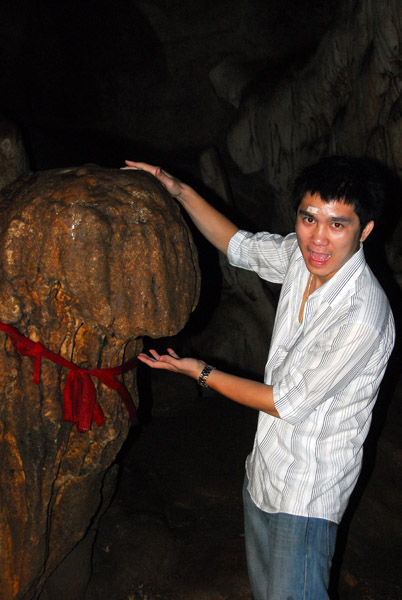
(91,260)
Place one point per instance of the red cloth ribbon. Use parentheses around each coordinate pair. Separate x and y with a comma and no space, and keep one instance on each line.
(79,397)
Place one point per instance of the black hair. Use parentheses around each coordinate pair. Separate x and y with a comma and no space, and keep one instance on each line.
(355,181)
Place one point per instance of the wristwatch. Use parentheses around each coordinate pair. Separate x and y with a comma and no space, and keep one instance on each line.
(202,379)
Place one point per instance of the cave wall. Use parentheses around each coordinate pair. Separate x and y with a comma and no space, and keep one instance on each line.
(345,100)
(91,81)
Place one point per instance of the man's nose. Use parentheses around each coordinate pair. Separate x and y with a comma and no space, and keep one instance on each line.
(319,237)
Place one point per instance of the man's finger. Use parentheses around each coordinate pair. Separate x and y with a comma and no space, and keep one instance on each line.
(173,353)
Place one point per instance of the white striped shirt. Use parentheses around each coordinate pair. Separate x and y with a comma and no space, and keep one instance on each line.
(325,374)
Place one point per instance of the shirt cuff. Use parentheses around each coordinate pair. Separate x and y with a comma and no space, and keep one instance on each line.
(283,407)
(234,252)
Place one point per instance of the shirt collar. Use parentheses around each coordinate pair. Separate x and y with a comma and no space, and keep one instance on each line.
(341,283)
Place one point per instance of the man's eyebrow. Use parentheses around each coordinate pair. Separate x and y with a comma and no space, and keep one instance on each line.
(306,213)
(340,219)
(334,219)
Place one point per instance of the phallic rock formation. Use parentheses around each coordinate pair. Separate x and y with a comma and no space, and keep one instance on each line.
(91,260)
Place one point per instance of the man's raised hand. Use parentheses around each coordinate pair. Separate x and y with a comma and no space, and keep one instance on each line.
(171,184)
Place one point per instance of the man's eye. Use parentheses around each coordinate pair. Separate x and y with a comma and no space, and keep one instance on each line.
(337,225)
(309,219)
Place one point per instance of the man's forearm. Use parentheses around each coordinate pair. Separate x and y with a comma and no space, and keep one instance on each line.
(211,223)
(244,391)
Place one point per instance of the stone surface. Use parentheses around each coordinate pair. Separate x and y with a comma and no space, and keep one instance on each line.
(13,156)
(230,79)
(91,260)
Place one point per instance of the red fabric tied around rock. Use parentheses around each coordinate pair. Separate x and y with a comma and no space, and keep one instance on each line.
(79,397)
(79,401)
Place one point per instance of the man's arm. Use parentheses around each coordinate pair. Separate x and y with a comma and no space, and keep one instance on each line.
(211,223)
(243,391)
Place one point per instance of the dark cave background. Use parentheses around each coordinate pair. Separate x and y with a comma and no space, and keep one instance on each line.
(91,81)
(99,82)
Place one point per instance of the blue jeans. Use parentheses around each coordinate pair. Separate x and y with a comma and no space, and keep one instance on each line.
(288,557)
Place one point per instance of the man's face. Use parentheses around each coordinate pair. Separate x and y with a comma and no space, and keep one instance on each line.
(328,234)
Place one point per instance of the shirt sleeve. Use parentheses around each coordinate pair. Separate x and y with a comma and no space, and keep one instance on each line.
(267,254)
(352,356)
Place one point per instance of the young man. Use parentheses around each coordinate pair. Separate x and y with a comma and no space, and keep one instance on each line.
(332,338)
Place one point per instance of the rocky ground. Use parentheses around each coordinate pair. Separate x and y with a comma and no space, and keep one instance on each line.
(174,529)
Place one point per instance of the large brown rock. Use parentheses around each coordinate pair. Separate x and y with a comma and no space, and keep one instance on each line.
(90,260)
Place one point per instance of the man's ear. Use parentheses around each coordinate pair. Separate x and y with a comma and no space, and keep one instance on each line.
(366,231)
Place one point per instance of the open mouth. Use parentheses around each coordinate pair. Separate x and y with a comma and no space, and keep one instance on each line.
(318,258)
